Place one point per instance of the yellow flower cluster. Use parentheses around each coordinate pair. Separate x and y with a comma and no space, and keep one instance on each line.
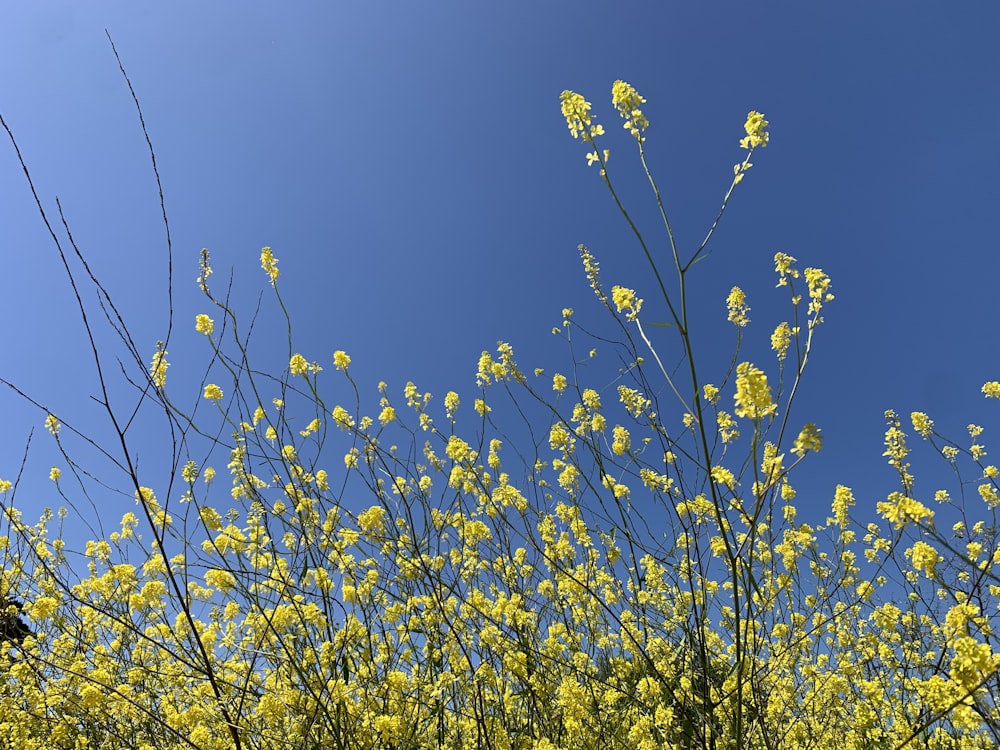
(923,424)
(52,424)
(901,509)
(809,439)
(736,304)
(819,289)
(625,301)
(753,394)
(158,369)
(298,365)
(341,360)
(270,264)
(756,129)
(783,267)
(781,339)
(204,324)
(576,110)
(628,102)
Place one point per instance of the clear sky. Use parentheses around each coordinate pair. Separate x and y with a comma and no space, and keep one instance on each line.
(409,166)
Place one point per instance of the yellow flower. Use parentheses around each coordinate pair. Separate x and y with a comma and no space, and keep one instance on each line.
(843,499)
(621,441)
(756,128)
(648,688)
(52,424)
(809,439)
(753,395)
(342,417)
(726,425)
(451,403)
(351,458)
(900,509)
(270,264)
(147,496)
(298,365)
(341,359)
(576,110)
(992,389)
(780,340)
(783,267)
(213,392)
(372,520)
(989,495)
(158,369)
(771,463)
(204,324)
(635,403)
(626,301)
(484,374)
(819,289)
(627,101)
(739,171)
(412,394)
(788,494)
(723,476)
(54,473)
(312,427)
(458,450)
(736,303)
(222,580)
(43,608)
(923,424)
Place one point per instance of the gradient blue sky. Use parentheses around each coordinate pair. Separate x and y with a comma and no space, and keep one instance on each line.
(409,166)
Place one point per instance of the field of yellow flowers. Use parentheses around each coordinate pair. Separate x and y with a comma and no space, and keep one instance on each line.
(399,573)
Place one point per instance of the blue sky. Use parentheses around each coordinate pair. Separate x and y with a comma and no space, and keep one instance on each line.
(409,166)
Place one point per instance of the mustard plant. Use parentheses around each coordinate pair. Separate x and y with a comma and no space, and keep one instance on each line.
(326,563)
